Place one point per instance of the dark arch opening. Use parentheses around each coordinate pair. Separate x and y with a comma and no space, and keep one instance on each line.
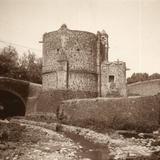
(10,105)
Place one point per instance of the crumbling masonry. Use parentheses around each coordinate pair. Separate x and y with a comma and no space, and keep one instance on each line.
(78,61)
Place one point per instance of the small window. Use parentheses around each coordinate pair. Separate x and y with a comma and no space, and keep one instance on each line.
(111,78)
(57,49)
(78,49)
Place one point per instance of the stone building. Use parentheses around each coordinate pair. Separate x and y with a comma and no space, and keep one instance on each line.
(78,61)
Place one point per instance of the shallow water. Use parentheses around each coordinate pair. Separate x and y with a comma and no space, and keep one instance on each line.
(89,149)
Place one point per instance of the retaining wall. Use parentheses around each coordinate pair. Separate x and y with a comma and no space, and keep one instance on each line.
(140,113)
(50,100)
(145,88)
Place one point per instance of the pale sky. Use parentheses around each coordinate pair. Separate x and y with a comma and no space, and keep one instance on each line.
(133,26)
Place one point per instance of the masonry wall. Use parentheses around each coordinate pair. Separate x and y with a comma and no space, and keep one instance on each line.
(50,100)
(83,82)
(78,48)
(32,99)
(117,87)
(145,88)
(50,80)
(140,113)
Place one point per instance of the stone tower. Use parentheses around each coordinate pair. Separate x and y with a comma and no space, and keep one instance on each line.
(78,61)
(69,60)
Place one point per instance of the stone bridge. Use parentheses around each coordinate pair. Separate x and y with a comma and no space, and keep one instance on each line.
(17,97)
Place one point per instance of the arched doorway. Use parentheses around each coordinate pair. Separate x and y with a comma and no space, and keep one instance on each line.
(10,105)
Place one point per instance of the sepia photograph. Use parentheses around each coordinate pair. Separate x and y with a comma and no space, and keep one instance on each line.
(79,80)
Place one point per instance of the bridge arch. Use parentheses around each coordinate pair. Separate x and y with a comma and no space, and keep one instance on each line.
(18,97)
(11,104)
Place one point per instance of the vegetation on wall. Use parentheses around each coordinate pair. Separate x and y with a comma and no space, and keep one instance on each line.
(26,67)
(136,77)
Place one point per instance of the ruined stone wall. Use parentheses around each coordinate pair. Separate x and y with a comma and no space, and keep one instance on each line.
(117,85)
(145,88)
(78,48)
